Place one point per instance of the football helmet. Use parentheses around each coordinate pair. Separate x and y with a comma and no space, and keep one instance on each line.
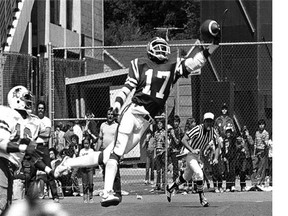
(158,49)
(19,98)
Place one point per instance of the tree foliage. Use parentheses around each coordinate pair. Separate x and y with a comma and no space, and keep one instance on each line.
(132,20)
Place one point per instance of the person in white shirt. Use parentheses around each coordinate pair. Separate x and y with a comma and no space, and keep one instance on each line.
(78,131)
(87,172)
(43,145)
(107,131)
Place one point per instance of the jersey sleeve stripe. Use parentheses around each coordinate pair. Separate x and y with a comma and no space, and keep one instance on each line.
(135,68)
(132,82)
(4,123)
(4,128)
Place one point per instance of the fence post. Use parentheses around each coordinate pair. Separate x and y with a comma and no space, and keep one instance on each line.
(51,88)
(166,147)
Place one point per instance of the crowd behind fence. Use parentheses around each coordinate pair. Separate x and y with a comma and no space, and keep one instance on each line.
(77,80)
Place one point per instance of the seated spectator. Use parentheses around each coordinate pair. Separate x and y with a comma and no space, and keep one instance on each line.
(54,157)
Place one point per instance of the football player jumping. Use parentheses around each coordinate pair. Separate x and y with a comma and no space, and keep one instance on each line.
(152,78)
(18,131)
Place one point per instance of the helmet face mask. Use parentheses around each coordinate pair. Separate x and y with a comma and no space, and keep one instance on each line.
(19,98)
(158,49)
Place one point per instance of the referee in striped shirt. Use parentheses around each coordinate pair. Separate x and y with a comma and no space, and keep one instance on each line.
(197,140)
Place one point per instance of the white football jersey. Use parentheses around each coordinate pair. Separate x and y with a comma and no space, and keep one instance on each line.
(13,128)
(9,119)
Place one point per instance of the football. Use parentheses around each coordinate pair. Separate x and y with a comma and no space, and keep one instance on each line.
(209,30)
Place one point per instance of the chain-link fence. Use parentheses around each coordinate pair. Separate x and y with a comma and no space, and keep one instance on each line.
(238,74)
(75,81)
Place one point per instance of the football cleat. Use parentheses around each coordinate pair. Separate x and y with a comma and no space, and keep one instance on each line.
(109,199)
(204,201)
(169,192)
(62,169)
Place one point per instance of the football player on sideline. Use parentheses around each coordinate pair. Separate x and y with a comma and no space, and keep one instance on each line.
(18,131)
(197,140)
(152,78)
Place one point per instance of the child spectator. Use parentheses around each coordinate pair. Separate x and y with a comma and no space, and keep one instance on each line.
(87,173)
(72,152)
(159,136)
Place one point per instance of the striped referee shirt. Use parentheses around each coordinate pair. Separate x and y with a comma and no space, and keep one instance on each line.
(200,137)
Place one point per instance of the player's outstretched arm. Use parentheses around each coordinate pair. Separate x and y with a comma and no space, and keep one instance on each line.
(210,34)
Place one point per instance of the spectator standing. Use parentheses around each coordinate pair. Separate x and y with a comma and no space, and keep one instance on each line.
(106,134)
(68,134)
(108,130)
(73,152)
(217,170)
(246,143)
(270,158)
(59,139)
(176,135)
(77,129)
(91,129)
(149,146)
(87,172)
(229,151)
(159,137)
(43,145)
(224,121)
(261,152)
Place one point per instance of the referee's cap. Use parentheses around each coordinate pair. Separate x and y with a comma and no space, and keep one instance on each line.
(208,115)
